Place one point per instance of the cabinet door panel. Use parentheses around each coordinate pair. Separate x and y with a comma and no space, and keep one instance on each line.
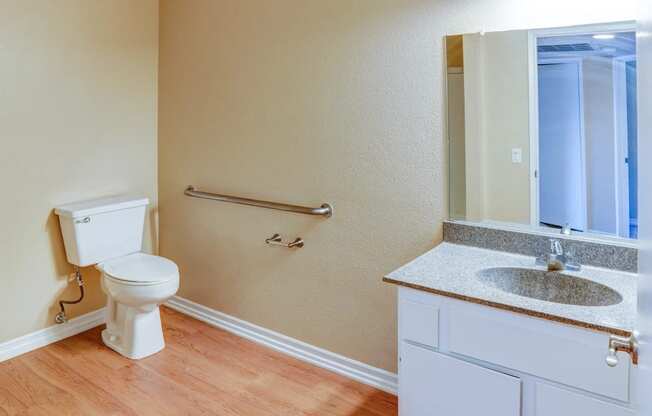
(433,384)
(561,353)
(553,401)
(419,322)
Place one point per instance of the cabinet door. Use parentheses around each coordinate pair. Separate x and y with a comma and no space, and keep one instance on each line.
(433,384)
(562,353)
(553,401)
(419,322)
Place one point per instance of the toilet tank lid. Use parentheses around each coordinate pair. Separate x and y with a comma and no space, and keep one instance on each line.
(99,206)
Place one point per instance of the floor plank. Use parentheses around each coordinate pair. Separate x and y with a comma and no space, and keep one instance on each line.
(202,371)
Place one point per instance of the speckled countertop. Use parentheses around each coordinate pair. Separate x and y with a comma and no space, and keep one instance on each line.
(452,270)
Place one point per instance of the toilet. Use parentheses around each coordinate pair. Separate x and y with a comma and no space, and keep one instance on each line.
(108,233)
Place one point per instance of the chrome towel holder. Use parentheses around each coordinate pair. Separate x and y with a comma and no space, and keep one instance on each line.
(276,240)
(325,210)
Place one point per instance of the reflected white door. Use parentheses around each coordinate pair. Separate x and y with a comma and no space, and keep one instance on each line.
(562,188)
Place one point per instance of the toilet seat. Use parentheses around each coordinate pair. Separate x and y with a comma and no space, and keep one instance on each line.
(139,269)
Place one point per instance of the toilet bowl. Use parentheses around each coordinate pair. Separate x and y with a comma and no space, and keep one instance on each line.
(108,233)
(135,286)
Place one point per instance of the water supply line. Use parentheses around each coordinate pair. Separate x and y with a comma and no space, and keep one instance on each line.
(61,316)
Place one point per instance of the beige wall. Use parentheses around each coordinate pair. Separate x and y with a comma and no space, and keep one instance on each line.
(77,120)
(456,144)
(498,122)
(507,126)
(300,102)
(310,102)
(455,126)
(474,134)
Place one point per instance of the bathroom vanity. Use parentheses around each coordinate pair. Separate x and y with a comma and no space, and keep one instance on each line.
(541,177)
(484,332)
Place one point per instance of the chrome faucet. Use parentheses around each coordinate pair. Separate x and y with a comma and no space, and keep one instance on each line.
(557,259)
(566,229)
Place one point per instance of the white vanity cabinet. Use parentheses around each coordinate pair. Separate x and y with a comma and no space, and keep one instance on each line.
(458,358)
(554,401)
(437,384)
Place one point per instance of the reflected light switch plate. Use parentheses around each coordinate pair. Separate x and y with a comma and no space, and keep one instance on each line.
(517,155)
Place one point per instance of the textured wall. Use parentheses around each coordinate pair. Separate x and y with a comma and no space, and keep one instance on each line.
(310,102)
(77,121)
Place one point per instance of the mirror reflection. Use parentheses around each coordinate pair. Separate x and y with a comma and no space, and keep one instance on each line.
(542,128)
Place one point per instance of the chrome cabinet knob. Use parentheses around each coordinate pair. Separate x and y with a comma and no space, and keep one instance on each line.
(612,358)
(624,344)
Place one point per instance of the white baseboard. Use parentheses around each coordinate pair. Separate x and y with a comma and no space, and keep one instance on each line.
(356,370)
(372,376)
(38,339)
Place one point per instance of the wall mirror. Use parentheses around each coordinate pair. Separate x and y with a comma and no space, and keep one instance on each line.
(542,128)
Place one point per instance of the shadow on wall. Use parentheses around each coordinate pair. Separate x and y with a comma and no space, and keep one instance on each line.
(53,229)
(153,229)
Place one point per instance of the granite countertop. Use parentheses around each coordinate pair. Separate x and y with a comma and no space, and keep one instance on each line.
(452,270)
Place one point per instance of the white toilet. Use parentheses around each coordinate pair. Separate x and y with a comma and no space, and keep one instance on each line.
(108,233)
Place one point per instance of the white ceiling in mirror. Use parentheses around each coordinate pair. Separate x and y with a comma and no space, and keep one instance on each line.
(607,45)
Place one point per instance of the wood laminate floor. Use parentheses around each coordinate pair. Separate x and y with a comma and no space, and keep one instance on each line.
(202,371)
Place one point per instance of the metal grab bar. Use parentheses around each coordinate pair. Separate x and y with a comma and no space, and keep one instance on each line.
(326,210)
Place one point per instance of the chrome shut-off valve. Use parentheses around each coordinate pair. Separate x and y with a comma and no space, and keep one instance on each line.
(624,344)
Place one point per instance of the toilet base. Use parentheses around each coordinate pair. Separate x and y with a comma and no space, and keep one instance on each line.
(134,332)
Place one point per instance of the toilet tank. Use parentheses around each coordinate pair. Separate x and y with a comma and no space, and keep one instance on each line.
(101,229)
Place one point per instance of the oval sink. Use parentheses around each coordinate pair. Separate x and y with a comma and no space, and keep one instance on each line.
(549,286)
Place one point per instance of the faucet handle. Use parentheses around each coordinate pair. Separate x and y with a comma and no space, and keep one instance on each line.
(571,263)
(555,247)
